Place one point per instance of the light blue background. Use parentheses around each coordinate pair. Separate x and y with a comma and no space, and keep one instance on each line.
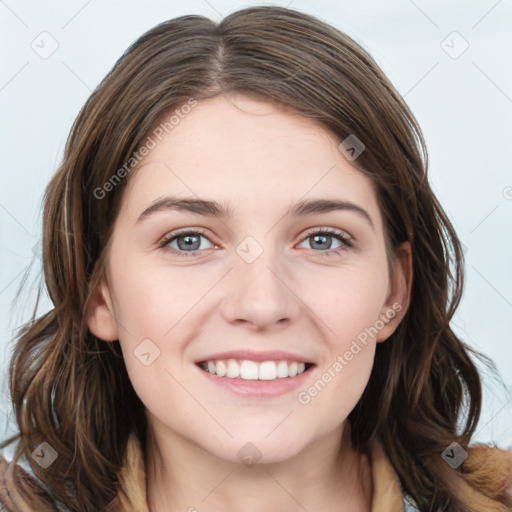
(463,104)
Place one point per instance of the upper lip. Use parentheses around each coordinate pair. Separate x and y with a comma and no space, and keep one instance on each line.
(253,355)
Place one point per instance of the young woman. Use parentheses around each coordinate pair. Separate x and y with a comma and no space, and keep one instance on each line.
(252,285)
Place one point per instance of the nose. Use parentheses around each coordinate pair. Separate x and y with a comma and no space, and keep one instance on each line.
(259,293)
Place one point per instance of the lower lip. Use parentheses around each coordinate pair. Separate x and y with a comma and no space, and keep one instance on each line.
(258,388)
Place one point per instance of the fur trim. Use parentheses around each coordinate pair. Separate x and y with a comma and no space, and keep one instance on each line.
(14,480)
(485,479)
(132,480)
(487,473)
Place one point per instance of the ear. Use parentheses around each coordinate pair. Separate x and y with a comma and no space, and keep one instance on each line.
(399,292)
(100,315)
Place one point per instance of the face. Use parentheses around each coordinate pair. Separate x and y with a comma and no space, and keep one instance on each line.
(259,288)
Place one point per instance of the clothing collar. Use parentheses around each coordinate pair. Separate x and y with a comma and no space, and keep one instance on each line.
(387,492)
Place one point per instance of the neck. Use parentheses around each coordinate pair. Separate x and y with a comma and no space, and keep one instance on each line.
(328,475)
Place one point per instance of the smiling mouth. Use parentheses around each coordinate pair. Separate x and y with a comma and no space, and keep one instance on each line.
(251,370)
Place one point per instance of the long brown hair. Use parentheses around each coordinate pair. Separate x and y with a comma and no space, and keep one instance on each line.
(72,390)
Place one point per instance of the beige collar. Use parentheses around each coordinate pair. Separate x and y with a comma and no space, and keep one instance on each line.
(387,493)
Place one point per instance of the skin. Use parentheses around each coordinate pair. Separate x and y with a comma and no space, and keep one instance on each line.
(258,159)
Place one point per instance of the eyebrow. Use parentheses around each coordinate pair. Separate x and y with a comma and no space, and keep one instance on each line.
(209,208)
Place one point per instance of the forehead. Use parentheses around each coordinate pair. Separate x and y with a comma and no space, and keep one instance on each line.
(247,154)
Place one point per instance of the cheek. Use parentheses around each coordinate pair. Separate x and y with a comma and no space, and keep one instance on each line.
(348,301)
(151,300)
(151,311)
(340,380)
(347,310)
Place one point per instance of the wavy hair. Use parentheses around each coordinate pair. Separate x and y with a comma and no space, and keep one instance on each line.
(72,390)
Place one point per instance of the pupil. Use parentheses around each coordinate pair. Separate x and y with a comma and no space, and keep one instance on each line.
(316,237)
(189,241)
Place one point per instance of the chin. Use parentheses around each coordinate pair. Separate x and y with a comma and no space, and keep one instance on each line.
(259,449)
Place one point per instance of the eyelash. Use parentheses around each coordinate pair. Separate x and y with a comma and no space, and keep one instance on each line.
(346,240)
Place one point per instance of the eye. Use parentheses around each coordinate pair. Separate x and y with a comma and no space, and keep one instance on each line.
(188,243)
(322,240)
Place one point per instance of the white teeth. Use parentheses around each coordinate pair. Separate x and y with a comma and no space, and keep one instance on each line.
(251,370)
(268,370)
(248,370)
(292,369)
(282,369)
(222,369)
(233,369)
